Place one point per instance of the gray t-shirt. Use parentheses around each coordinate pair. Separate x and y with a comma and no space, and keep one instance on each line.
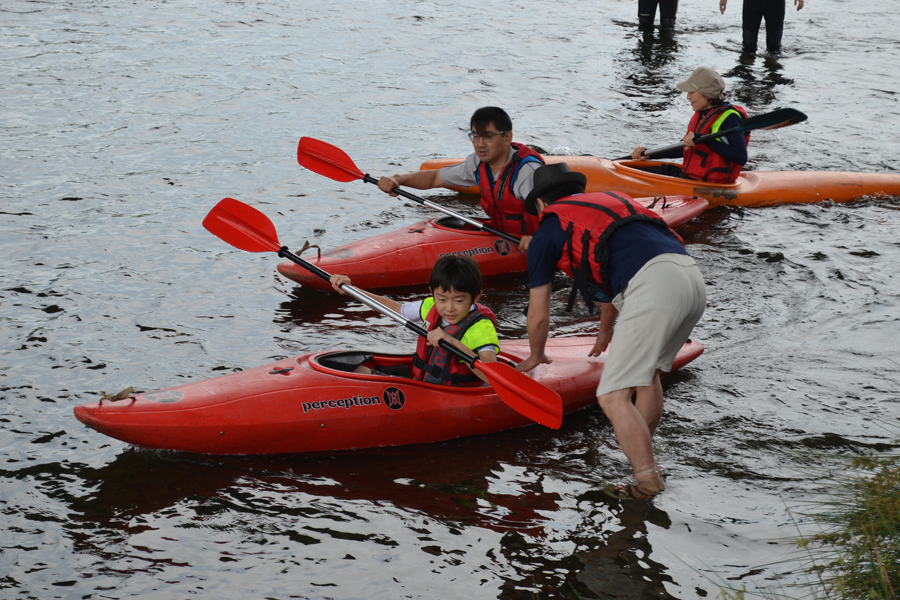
(463,174)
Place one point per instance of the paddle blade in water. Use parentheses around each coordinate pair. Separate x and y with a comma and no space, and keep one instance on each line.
(323,158)
(523,394)
(242,226)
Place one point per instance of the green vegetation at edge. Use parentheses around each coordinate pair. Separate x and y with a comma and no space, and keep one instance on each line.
(857,554)
(862,534)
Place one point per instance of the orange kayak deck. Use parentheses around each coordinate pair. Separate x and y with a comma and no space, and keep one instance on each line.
(753,188)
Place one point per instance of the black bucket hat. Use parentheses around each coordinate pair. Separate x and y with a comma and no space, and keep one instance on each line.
(549,177)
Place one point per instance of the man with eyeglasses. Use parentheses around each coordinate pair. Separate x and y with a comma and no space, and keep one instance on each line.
(502,170)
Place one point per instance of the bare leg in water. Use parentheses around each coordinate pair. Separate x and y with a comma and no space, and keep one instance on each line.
(634,425)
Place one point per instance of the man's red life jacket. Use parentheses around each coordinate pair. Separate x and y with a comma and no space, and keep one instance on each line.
(434,364)
(589,220)
(507,212)
(700,162)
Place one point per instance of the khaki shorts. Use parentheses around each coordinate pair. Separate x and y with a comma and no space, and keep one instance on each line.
(657,311)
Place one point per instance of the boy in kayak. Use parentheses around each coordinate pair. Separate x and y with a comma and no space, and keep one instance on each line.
(716,161)
(625,257)
(452,314)
(502,170)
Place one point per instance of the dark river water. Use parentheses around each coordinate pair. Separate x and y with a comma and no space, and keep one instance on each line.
(123,123)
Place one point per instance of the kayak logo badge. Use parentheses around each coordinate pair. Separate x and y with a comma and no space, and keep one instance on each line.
(164,397)
(393,398)
(502,247)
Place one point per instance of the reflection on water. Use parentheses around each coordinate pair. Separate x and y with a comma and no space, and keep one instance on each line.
(760,78)
(125,123)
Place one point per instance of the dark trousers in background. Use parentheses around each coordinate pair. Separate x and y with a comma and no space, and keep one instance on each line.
(754,12)
(647,13)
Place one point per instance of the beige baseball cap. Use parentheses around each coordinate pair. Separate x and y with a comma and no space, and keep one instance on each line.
(706,81)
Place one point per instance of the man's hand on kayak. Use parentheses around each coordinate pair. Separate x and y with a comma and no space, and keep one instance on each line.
(523,243)
(638,153)
(608,315)
(603,339)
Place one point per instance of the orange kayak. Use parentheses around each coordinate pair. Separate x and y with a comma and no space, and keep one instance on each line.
(753,188)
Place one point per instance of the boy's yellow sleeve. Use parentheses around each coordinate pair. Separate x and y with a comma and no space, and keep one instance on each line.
(482,336)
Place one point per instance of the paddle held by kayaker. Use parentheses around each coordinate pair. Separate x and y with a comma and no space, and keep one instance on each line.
(650,291)
(452,313)
(715,161)
(502,170)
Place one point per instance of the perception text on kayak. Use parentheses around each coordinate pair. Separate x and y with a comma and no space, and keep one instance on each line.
(346,403)
(470,252)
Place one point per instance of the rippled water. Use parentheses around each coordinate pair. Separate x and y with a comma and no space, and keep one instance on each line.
(124,123)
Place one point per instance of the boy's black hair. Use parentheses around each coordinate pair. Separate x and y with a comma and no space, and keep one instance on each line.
(483,117)
(454,272)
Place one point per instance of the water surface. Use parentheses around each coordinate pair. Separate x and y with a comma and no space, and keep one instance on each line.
(125,123)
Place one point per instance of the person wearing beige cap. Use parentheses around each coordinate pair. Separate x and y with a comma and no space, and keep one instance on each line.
(715,161)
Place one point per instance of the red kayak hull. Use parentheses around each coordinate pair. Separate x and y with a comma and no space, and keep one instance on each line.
(308,404)
(406,256)
(753,188)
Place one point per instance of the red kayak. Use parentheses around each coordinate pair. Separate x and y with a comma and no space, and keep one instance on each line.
(406,256)
(315,403)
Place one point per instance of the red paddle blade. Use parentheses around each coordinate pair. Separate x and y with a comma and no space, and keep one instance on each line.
(523,394)
(242,226)
(325,159)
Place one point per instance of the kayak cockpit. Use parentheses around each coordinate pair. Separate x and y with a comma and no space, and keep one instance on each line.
(652,170)
(348,361)
(456,224)
(361,363)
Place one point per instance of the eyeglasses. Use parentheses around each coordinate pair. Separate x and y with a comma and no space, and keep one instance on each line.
(487,136)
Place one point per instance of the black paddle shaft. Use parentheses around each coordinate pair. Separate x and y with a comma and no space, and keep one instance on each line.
(781,117)
(477,224)
(283,252)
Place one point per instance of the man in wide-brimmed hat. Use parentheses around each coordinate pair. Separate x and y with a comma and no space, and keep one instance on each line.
(625,257)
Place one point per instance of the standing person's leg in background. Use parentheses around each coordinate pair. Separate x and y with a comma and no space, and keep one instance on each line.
(751,20)
(667,12)
(773,12)
(646,14)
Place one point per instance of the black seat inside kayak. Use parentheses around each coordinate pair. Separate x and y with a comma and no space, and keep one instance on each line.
(344,361)
(394,370)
